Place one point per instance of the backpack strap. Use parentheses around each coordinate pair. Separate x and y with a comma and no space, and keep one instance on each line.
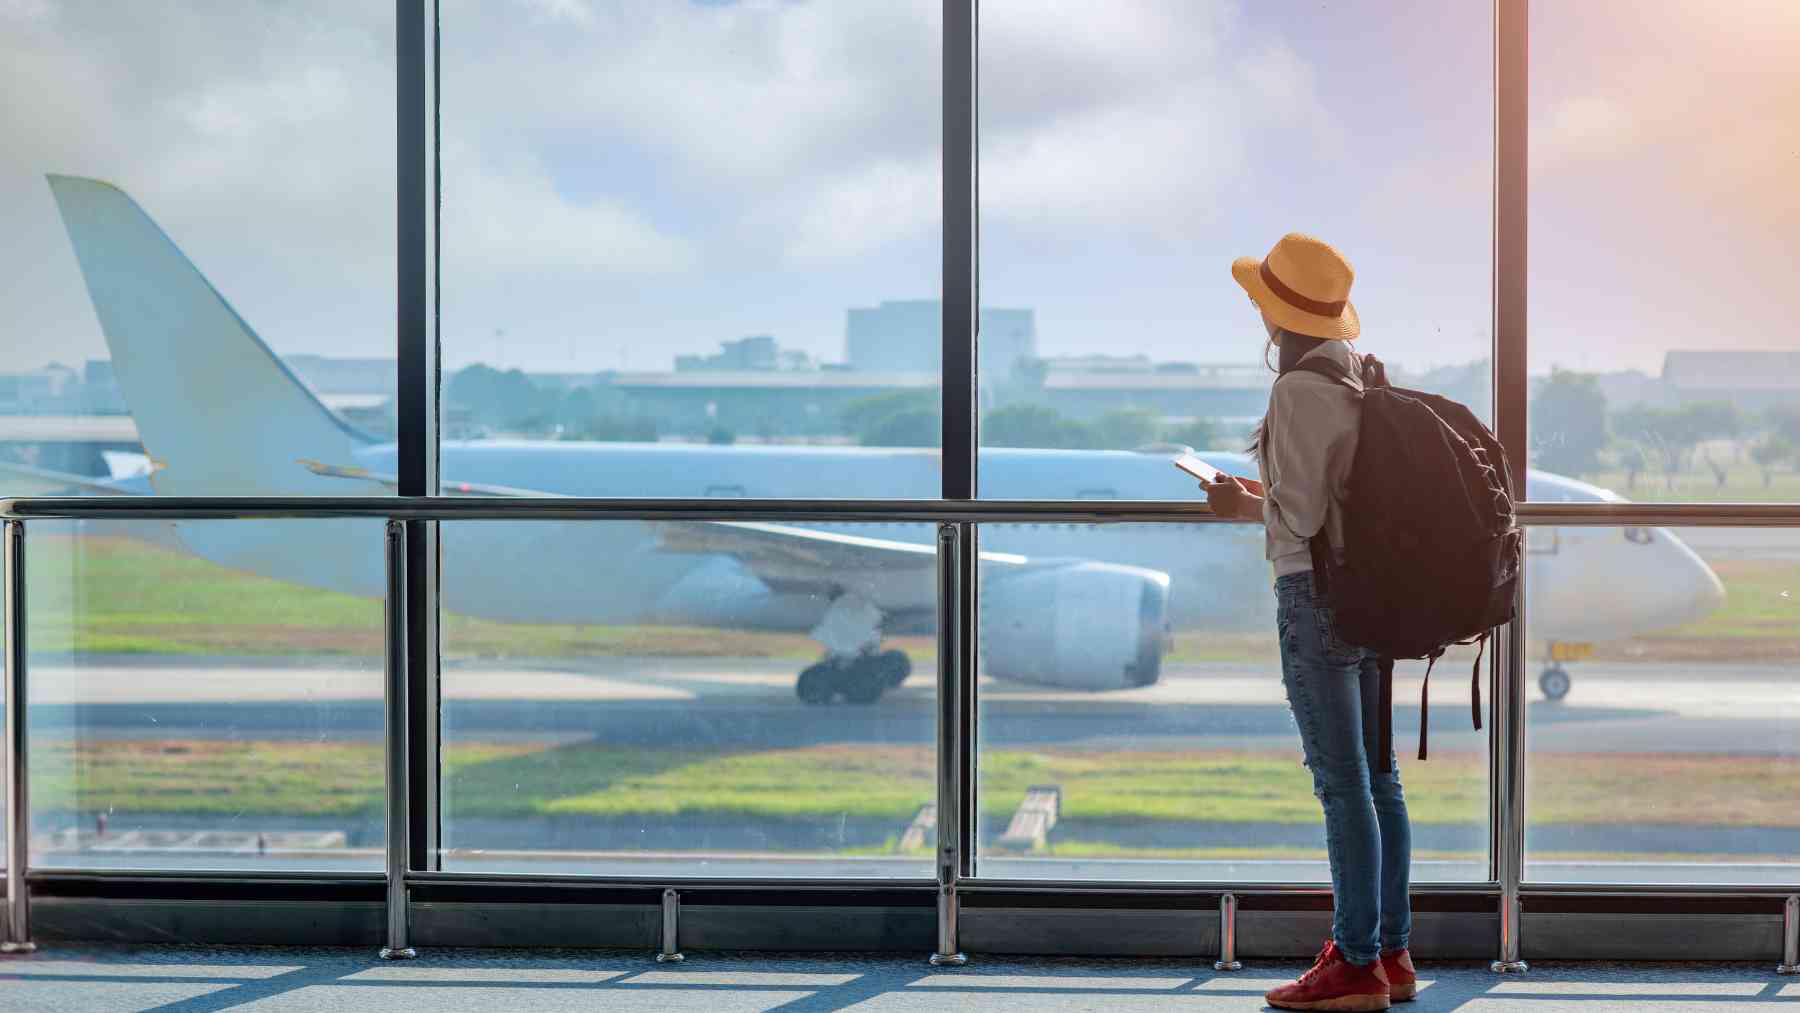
(1329,369)
(1383,762)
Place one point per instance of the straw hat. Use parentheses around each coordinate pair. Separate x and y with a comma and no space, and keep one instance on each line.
(1303,286)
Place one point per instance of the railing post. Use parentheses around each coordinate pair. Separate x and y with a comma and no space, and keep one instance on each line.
(1228,961)
(1790,936)
(395,713)
(18,797)
(949,726)
(671,928)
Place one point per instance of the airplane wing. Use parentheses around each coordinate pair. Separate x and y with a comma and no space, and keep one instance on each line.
(392,483)
(891,573)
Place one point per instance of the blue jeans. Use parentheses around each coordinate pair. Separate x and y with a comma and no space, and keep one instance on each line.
(1334,690)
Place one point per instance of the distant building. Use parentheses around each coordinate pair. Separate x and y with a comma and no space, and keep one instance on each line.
(907,336)
(327,374)
(1752,380)
(759,352)
(775,403)
(1086,387)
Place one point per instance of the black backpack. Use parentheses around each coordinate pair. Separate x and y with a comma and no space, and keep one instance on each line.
(1431,544)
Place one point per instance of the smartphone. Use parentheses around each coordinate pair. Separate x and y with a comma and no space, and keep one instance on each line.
(1198,468)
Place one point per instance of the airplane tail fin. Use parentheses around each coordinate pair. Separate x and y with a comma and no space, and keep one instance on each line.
(217,411)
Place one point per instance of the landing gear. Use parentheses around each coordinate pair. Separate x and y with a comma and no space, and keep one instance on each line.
(1554,681)
(854,666)
(859,679)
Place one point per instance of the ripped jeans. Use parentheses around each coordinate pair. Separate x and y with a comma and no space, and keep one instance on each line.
(1333,689)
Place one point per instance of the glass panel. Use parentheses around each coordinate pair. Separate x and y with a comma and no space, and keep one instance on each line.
(692,249)
(1664,360)
(1664,728)
(1131,689)
(627,699)
(199,274)
(1131,150)
(206,695)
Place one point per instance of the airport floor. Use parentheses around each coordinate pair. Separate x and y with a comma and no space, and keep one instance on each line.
(102,979)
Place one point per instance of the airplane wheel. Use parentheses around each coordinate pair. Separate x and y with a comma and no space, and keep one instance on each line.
(895,666)
(1554,682)
(864,680)
(816,684)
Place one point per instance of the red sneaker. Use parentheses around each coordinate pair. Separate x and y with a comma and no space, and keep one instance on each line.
(1334,983)
(1403,981)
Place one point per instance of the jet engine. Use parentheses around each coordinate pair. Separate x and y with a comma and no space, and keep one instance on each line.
(1083,625)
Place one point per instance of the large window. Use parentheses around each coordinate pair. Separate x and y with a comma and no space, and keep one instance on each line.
(633,699)
(1664,360)
(1130,151)
(197,289)
(1665,727)
(688,239)
(1134,726)
(198,702)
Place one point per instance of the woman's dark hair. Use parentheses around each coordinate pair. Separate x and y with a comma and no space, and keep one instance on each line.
(1293,347)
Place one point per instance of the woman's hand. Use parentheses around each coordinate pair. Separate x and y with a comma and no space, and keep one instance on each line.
(1233,497)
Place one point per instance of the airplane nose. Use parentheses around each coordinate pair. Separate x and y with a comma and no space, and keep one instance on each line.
(1700,594)
(1711,595)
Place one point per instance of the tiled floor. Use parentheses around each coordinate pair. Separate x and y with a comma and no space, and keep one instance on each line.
(267,980)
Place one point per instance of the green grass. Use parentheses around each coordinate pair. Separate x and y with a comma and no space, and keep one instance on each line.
(1762,600)
(1743,484)
(886,782)
(110,595)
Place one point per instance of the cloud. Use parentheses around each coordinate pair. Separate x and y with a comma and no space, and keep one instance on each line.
(606,140)
(511,219)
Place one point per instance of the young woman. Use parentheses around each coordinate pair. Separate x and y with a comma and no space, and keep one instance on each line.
(1304,448)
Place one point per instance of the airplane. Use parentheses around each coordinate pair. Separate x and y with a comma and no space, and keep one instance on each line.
(1086,607)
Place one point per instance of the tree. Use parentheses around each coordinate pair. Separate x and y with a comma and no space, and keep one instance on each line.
(507,399)
(1127,428)
(912,427)
(904,418)
(1784,421)
(1025,424)
(720,436)
(1568,423)
(1201,434)
(1672,434)
(1771,452)
(1630,457)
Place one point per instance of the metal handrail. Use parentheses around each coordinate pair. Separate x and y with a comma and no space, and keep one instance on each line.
(872,511)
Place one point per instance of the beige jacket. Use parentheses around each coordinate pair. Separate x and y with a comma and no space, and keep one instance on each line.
(1305,464)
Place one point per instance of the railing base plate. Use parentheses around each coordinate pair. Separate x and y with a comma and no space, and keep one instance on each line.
(1228,965)
(401,953)
(1787,969)
(670,958)
(1509,967)
(949,959)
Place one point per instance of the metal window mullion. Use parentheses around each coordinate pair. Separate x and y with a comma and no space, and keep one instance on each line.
(16,934)
(1511,394)
(961,252)
(960,407)
(416,389)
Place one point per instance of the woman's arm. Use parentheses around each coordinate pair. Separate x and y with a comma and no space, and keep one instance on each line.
(1232,497)
(1307,425)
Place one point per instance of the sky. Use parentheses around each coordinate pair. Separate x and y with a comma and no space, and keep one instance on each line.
(627,181)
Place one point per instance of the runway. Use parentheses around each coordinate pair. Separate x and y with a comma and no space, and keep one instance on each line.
(1614,707)
(744,706)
